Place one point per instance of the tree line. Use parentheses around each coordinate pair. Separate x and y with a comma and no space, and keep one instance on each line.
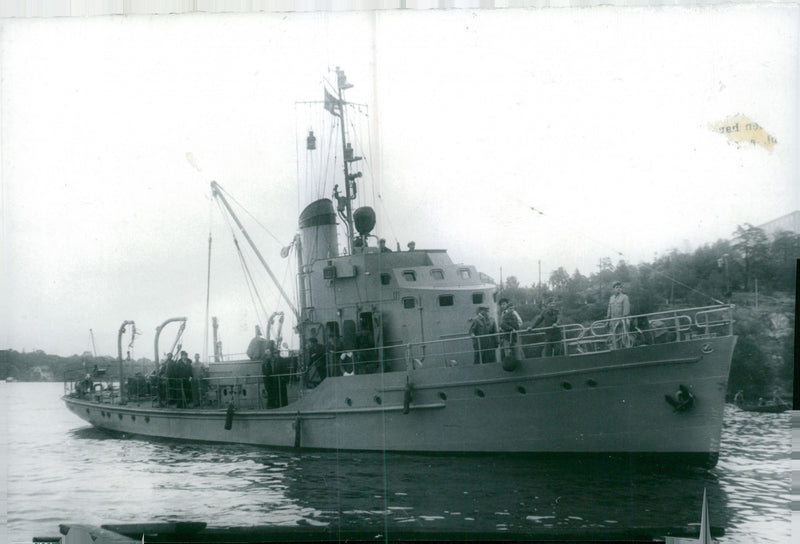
(709,275)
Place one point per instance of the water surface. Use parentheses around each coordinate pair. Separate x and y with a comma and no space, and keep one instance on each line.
(60,470)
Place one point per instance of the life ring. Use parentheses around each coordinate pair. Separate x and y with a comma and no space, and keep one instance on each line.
(346,361)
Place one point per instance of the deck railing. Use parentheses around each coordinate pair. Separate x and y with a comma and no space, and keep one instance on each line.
(260,391)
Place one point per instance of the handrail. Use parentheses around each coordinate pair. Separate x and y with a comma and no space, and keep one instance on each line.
(161,327)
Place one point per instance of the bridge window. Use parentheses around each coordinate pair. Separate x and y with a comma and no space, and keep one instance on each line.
(463,273)
(409,275)
(409,302)
(437,274)
(446,300)
(477,298)
(386,279)
(349,334)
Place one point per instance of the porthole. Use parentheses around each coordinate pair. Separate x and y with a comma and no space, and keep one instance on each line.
(591,383)
(566,385)
(377,399)
(87,411)
(133,418)
(349,401)
(442,395)
(120,416)
(147,419)
(480,393)
(244,392)
(224,391)
(521,390)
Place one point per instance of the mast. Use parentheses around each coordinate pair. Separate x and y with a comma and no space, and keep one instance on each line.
(347,155)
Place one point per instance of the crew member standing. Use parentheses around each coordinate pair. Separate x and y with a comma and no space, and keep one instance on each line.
(510,323)
(549,320)
(484,340)
(619,307)
(185,379)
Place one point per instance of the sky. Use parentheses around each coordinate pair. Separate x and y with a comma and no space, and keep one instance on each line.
(602,119)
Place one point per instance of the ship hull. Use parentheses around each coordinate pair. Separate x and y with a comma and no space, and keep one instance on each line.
(614,402)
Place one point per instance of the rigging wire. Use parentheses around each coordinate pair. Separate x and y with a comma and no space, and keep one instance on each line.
(377,197)
(252,282)
(653,269)
(297,151)
(248,277)
(331,159)
(250,214)
(208,289)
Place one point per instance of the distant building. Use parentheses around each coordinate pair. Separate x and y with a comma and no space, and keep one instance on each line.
(790,222)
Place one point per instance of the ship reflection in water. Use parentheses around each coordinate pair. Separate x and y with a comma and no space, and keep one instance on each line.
(67,472)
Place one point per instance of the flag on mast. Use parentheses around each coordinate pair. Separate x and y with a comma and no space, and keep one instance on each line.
(332,104)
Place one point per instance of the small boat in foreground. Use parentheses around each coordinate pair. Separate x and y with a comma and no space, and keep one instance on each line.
(385,362)
(175,532)
(775,405)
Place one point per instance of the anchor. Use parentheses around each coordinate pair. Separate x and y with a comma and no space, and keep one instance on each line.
(683,400)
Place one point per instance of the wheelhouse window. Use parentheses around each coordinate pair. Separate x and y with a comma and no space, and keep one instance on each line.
(409,303)
(446,300)
(477,298)
(437,274)
(386,279)
(409,275)
(349,334)
(463,273)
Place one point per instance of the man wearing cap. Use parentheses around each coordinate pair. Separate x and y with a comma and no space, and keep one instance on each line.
(618,307)
(382,246)
(483,330)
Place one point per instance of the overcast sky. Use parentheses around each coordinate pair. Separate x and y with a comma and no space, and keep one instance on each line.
(113,128)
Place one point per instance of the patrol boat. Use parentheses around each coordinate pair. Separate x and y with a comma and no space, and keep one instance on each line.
(385,362)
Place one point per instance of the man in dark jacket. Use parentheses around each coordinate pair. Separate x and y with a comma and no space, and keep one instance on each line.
(548,320)
(184,365)
(510,323)
(483,330)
